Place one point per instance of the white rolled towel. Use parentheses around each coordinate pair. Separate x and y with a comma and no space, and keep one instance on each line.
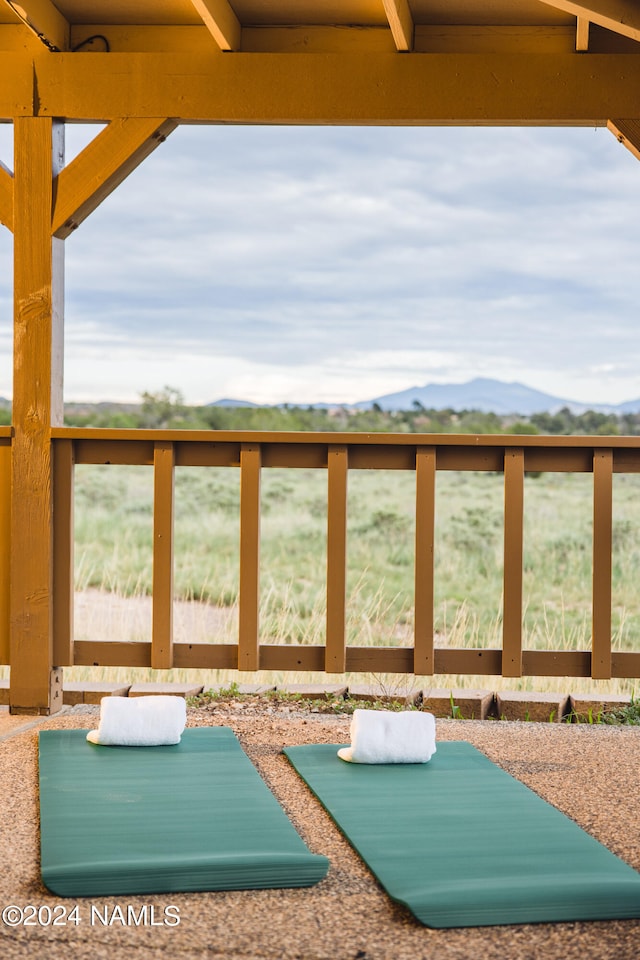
(382,736)
(140,721)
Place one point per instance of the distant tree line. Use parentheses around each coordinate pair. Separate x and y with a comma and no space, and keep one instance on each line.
(166,409)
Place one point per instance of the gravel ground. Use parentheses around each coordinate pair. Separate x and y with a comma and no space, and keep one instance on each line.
(589,772)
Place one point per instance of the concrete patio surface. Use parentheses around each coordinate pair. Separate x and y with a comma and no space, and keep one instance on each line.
(589,771)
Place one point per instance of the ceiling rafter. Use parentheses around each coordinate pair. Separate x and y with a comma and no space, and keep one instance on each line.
(44,20)
(620,16)
(221,22)
(401,23)
(582,34)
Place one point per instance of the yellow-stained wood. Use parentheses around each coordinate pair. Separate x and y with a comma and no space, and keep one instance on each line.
(483,88)
(582,34)
(63,571)
(621,16)
(317,39)
(423,663)
(151,38)
(513,554)
(337,473)
(627,132)
(6,197)
(602,546)
(5,548)
(163,527)
(461,38)
(427,38)
(401,23)
(36,684)
(43,20)
(110,157)
(220,20)
(249,625)
(17,93)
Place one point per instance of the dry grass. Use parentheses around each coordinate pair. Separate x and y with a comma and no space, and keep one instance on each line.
(103,616)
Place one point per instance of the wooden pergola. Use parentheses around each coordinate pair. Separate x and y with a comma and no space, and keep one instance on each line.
(141,67)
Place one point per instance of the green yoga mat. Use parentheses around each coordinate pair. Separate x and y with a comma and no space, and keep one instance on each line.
(192,816)
(461,843)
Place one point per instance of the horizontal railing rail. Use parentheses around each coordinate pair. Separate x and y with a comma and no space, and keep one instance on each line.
(339,453)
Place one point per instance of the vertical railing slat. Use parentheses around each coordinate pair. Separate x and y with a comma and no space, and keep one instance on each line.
(602,565)
(63,573)
(423,659)
(337,469)
(513,555)
(249,628)
(163,522)
(5,550)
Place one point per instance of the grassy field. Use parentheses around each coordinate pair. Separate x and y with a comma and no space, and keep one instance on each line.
(114,540)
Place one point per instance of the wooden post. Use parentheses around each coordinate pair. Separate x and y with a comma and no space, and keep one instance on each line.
(249,615)
(337,468)
(163,503)
(513,554)
(602,564)
(36,682)
(423,659)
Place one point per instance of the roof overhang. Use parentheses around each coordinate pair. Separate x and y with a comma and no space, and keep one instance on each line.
(508,62)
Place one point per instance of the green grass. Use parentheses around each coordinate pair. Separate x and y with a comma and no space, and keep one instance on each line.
(628,715)
(114,532)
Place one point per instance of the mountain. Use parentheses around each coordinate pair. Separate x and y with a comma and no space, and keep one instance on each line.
(227,402)
(481,393)
(489,396)
(629,406)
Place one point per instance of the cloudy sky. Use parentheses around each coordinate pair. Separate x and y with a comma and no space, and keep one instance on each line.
(305,264)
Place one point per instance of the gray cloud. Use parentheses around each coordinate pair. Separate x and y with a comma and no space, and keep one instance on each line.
(345,262)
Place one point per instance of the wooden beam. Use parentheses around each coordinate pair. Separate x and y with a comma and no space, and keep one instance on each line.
(43,19)
(401,23)
(627,132)
(582,34)
(102,166)
(221,22)
(461,89)
(620,16)
(464,38)
(304,38)
(36,684)
(6,197)
(17,91)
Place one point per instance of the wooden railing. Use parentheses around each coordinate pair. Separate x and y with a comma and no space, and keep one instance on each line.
(338,453)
